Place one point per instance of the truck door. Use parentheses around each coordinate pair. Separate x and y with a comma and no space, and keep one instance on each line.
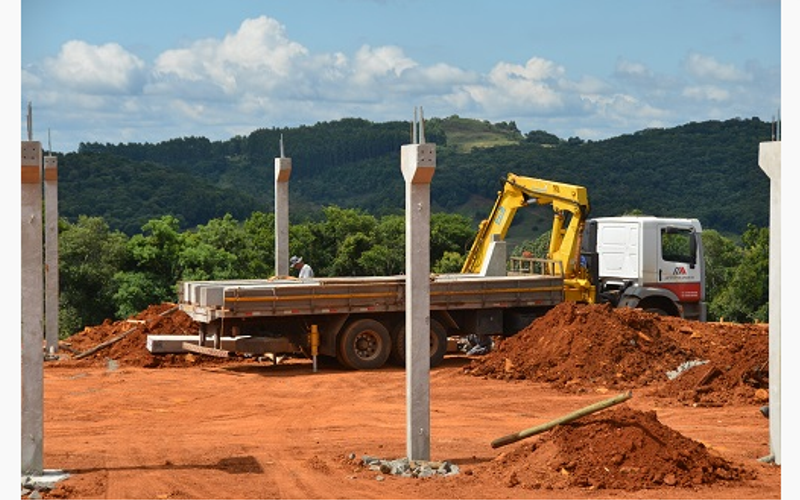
(680,262)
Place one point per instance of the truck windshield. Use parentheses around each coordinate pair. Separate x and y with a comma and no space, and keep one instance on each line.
(676,245)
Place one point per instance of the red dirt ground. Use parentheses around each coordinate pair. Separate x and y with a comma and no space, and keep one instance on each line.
(127,424)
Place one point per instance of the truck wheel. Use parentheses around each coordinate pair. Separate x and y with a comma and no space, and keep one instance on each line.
(364,345)
(438,344)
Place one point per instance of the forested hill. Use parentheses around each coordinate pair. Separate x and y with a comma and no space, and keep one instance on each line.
(707,170)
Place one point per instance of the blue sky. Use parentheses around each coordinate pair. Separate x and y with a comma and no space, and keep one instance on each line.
(146,71)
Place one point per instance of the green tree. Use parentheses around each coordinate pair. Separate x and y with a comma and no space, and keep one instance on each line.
(258,255)
(303,241)
(136,290)
(90,254)
(539,247)
(381,260)
(155,272)
(542,137)
(212,251)
(386,256)
(334,243)
(451,262)
(745,297)
(450,233)
(721,256)
(202,261)
(224,233)
(348,260)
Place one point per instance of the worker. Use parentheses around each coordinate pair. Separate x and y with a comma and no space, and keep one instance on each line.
(304,269)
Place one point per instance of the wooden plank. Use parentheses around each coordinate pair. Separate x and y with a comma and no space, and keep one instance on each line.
(208,351)
(710,375)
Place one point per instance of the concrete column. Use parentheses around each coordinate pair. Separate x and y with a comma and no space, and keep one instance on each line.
(418,162)
(283,170)
(51,253)
(32,310)
(769,159)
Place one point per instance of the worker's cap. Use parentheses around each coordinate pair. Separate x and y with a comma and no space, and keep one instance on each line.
(295,260)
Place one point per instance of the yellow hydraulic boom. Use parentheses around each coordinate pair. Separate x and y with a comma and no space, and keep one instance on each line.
(570,208)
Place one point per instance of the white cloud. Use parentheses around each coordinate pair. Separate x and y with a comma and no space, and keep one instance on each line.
(261,43)
(625,68)
(707,93)
(534,86)
(588,85)
(258,77)
(258,55)
(92,69)
(30,79)
(371,64)
(706,68)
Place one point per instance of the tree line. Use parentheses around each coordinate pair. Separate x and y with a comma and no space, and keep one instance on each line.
(106,274)
(706,170)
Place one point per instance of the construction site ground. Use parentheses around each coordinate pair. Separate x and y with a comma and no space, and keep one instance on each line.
(124,423)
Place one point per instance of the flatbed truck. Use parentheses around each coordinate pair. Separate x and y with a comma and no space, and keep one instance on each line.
(360,321)
(651,263)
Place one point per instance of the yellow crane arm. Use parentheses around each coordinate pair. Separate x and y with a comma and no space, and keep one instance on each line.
(570,208)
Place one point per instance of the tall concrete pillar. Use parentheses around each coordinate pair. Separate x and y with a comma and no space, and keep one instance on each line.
(32,310)
(51,253)
(769,159)
(283,170)
(418,162)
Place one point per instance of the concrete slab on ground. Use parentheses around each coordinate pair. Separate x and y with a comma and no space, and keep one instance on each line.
(173,344)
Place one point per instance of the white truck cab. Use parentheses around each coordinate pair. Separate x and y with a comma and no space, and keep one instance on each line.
(648,262)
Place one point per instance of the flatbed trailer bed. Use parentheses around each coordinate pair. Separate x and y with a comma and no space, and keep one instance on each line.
(349,312)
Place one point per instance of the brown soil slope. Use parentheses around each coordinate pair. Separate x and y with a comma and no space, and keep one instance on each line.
(583,348)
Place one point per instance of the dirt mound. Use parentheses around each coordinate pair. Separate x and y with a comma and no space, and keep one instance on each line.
(580,347)
(619,448)
(131,349)
(736,365)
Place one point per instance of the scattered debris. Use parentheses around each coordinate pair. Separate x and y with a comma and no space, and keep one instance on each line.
(404,467)
(673,374)
(34,485)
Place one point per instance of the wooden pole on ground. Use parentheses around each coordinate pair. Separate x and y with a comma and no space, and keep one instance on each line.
(602,405)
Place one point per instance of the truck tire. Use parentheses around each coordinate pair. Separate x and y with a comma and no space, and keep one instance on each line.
(364,345)
(656,310)
(438,344)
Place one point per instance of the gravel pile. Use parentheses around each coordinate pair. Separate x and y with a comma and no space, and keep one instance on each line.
(404,467)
